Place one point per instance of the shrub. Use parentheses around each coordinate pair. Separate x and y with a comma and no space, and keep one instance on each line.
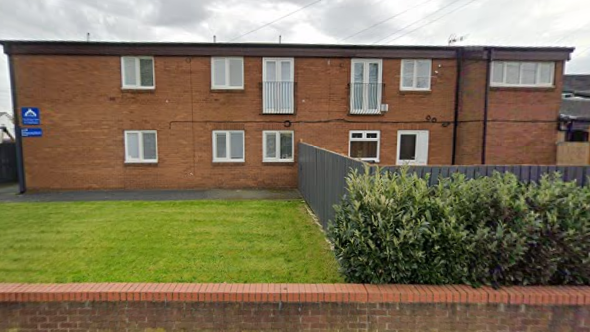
(394,228)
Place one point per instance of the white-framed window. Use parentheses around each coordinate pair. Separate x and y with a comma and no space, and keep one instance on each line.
(227,73)
(137,72)
(228,146)
(364,145)
(278,85)
(141,146)
(365,86)
(416,74)
(277,146)
(412,147)
(522,74)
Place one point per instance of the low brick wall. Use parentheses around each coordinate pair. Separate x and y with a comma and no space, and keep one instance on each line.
(259,307)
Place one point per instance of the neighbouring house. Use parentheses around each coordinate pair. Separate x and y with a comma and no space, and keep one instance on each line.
(573,146)
(576,86)
(6,127)
(217,115)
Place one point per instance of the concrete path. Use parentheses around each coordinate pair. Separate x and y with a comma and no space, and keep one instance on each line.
(8,193)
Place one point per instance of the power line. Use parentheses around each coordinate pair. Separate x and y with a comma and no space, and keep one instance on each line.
(278,19)
(584,50)
(409,25)
(569,34)
(428,23)
(385,20)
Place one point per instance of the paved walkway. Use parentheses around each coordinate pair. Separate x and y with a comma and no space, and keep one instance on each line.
(8,193)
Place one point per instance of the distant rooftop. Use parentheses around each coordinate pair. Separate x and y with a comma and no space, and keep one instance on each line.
(577,83)
(577,108)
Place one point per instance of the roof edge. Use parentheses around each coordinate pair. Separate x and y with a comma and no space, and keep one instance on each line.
(38,47)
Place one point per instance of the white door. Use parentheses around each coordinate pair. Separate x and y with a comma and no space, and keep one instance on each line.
(412,147)
(278,85)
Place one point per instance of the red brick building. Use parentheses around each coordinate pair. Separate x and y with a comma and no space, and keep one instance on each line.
(179,115)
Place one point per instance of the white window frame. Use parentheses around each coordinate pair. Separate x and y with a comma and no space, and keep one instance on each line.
(226,86)
(365,108)
(138,86)
(265,108)
(278,158)
(228,158)
(365,139)
(415,75)
(141,159)
(417,133)
(522,85)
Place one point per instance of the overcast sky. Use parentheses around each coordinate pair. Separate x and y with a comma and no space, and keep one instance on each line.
(424,22)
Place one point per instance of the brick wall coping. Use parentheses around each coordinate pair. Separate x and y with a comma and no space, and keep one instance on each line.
(360,293)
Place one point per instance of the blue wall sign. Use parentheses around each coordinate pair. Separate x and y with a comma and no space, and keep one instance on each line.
(31,132)
(30,116)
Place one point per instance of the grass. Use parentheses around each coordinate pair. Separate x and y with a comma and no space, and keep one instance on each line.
(196,241)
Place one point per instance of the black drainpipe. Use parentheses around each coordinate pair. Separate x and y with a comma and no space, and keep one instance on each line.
(459,55)
(20,165)
(485,106)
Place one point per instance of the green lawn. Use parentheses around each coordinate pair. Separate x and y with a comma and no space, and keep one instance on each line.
(196,241)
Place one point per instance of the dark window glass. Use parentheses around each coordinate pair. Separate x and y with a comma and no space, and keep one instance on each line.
(363,149)
(407,150)
(577,136)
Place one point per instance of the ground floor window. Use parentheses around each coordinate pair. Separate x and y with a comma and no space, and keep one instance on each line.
(141,146)
(228,146)
(364,145)
(576,136)
(277,146)
(412,147)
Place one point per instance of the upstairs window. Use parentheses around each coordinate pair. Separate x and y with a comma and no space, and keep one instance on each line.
(141,146)
(278,86)
(227,73)
(416,75)
(365,86)
(364,145)
(522,74)
(137,72)
(228,146)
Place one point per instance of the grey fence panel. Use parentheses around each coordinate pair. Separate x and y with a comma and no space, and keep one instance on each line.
(322,176)
(7,162)
(322,179)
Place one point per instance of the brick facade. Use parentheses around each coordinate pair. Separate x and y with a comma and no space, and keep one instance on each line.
(85,112)
(290,307)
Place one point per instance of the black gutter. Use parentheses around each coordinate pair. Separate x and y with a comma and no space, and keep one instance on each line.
(457,103)
(20,166)
(485,106)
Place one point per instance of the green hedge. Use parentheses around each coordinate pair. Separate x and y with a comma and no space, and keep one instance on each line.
(394,228)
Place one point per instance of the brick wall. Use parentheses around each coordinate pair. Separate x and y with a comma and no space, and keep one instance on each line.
(289,307)
(521,121)
(84,113)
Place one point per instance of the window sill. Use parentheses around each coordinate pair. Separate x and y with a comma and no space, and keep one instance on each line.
(522,88)
(140,164)
(224,90)
(415,92)
(264,113)
(138,90)
(357,113)
(278,163)
(228,163)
